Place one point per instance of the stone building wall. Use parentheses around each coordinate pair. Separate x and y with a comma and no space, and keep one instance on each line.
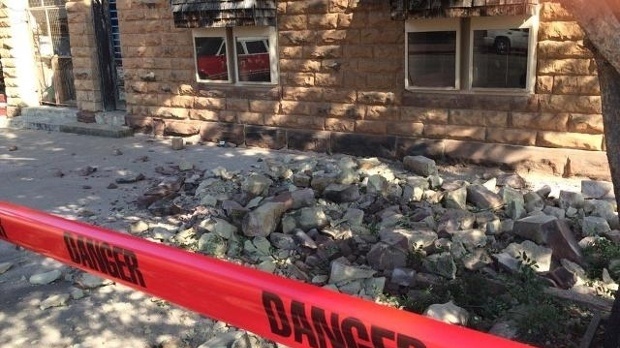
(84,55)
(341,87)
(16,50)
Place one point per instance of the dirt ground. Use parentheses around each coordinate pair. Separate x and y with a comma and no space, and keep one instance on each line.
(43,170)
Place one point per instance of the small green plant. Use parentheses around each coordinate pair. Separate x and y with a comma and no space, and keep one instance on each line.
(598,254)
(541,323)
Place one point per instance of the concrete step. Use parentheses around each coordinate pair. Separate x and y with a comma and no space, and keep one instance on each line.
(61,119)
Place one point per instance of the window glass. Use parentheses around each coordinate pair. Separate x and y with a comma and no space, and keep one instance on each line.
(60,32)
(432,59)
(500,58)
(253,59)
(211,58)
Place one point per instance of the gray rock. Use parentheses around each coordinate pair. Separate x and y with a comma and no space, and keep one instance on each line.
(555,211)
(418,238)
(507,261)
(540,255)
(256,184)
(262,220)
(301,180)
(533,202)
(385,257)
(130,179)
(320,180)
(489,222)
(477,260)
(283,241)
(86,171)
(505,328)
(454,220)
(570,199)
(138,227)
(412,193)
(532,227)
(544,191)
(221,172)
(222,340)
(441,264)
(514,202)
(164,207)
(77,293)
(604,209)
(561,240)
(483,198)
(354,216)
(435,181)
(45,278)
(5,266)
(594,226)
(470,239)
(208,200)
(511,180)
(212,244)
(312,217)
(302,198)
(304,239)
(185,166)
(339,193)
(563,278)
(58,300)
(89,281)
(420,165)
(597,189)
(162,233)
(342,272)
(403,276)
(456,199)
(448,313)
(219,227)
(377,184)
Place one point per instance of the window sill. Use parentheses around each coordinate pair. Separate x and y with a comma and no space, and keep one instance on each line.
(519,101)
(231,90)
(470,92)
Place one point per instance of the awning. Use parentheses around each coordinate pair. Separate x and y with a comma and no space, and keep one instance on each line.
(403,9)
(223,13)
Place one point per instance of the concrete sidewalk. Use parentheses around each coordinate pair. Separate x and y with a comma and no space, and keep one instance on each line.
(43,170)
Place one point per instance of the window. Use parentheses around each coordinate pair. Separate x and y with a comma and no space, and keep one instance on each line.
(469,54)
(236,55)
(432,54)
(50,25)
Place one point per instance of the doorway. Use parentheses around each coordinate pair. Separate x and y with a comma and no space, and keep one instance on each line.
(107,36)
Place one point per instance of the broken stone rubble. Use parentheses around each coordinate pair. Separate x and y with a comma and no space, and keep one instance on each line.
(370,227)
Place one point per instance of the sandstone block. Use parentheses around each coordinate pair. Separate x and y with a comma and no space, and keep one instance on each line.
(540,121)
(570,140)
(533,227)
(420,165)
(560,31)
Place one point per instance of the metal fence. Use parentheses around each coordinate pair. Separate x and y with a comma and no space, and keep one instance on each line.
(49,25)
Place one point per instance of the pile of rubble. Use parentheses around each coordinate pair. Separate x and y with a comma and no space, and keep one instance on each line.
(379,229)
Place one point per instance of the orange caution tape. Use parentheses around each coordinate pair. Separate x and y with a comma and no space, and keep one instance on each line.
(287,311)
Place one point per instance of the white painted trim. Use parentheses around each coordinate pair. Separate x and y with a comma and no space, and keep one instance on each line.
(211,32)
(506,22)
(261,32)
(434,25)
(231,51)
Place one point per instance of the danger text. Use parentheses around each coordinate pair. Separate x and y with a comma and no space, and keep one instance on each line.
(315,328)
(100,256)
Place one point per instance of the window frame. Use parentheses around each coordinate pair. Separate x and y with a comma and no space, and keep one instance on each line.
(507,22)
(435,25)
(212,33)
(465,49)
(230,36)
